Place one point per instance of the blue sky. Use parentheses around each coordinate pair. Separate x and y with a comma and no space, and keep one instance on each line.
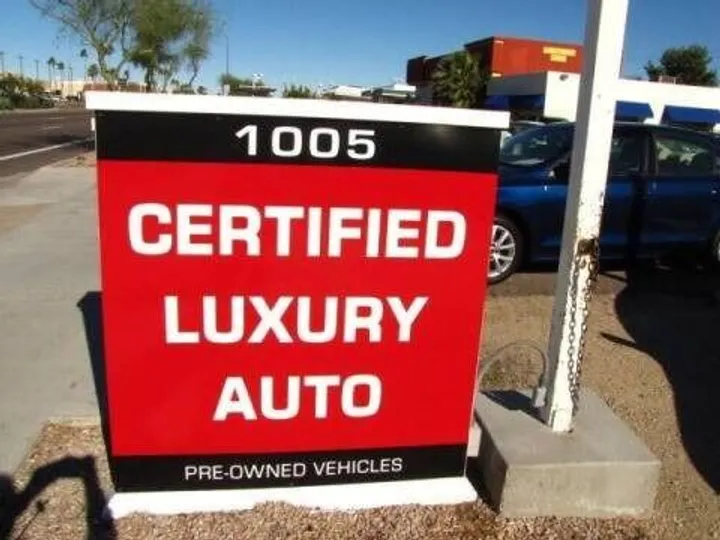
(331,42)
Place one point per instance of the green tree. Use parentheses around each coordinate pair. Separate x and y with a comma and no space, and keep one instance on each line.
(244,86)
(101,25)
(159,36)
(20,92)
(195,53)
(458,81)
(183,89)
(93,72)
(691,65)
(202,25)
(10,86)
(233,81)
(169,33)
(299,91)
(31,87)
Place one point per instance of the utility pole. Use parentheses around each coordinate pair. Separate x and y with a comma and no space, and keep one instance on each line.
(37,69)
(20,58)
(2,62)
(227,55)
(604,36)
(225,81)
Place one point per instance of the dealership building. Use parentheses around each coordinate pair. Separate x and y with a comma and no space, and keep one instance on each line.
(501,57)
(540,80)
(554,95)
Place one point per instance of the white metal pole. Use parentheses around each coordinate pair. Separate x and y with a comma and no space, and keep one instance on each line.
(604,36)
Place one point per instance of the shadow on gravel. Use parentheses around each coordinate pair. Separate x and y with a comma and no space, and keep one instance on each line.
(13,503)
(674,316)
(91,307)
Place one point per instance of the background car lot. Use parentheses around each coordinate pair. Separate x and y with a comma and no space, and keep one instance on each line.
(663,194)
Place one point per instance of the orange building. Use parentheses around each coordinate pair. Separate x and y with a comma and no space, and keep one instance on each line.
(504,56)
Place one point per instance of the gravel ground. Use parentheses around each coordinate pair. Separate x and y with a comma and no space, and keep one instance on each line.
(67,477)
(87,159)
(652,355)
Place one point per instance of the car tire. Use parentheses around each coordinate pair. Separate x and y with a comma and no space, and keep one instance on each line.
(714,254)
(506,249)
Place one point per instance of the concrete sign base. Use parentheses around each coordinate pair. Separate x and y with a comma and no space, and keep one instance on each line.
(435,491)
(600,469)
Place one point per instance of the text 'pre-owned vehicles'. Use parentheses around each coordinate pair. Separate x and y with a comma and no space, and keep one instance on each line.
(663,193)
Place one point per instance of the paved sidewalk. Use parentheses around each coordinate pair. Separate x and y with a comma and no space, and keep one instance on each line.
(48,262)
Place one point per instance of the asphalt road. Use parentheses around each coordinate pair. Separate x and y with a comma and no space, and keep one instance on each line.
(31,139)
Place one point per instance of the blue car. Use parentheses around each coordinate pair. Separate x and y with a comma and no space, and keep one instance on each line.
(663,193)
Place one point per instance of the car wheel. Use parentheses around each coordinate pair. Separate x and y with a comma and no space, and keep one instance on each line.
(715,251)
(506,249)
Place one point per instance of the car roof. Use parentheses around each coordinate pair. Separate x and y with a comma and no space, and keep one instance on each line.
(662,128)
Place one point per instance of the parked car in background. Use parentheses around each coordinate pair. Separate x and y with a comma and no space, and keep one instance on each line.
(516,127)
(663,193)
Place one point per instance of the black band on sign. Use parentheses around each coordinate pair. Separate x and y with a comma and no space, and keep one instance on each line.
(264,139)
(170,473)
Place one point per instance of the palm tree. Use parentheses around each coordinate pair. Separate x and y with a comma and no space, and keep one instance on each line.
(84,56)
(51,71)
(457,80)
(60,66)
(93,71)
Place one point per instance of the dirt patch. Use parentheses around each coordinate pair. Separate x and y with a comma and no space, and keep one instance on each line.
(87,159)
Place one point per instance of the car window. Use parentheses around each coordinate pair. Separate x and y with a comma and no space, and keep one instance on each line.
(679,157)
(626,154)
(520,126)
(536,146)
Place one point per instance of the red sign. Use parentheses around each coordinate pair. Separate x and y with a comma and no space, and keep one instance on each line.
(304,311)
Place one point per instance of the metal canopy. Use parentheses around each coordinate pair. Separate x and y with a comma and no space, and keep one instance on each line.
(692,115)
(501,103)
(633,109)
(532,102)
